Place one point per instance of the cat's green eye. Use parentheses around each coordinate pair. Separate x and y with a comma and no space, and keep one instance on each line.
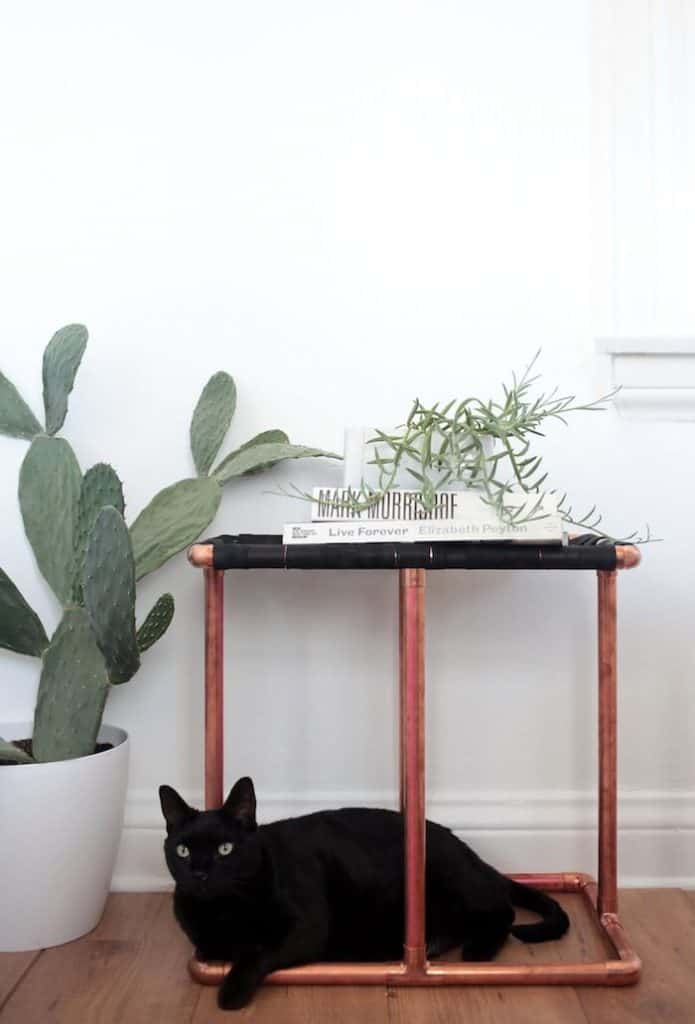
(224,848)
(183,851)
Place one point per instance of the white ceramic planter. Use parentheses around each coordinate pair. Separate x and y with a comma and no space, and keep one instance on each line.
(60,825)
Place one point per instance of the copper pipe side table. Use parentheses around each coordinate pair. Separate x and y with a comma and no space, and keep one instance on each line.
(412,562)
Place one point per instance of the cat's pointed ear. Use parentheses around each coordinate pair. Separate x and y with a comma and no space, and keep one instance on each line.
(241,803)
(174,808)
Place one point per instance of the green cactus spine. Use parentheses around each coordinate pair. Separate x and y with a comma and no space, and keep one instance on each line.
(157,622)
(109,594)
(72,692)
(49,493)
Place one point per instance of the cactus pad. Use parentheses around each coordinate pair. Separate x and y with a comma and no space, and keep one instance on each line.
(16,418)
(20,626)
(157,622)
(211,419)
(253,457)
(100,487)
(266,437)
(72,692)
(173,519)
(61,361)
(49,492)
(109,594)
(9,752)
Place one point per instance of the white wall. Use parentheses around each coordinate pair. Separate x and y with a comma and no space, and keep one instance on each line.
(345,206)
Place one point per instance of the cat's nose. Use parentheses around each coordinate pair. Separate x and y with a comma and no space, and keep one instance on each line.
(199,875)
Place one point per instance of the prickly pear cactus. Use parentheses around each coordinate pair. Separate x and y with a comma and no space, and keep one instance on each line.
(265,437)
(49,493)
(261,456)
(20,626)
(86,553)
(100,487)
(211,419)
(157,622)
(72,692)
(16,418)
(178,514)
(61,362)
(173,519)
(109,594)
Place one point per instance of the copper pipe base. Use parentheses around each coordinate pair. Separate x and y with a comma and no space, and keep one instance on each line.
(625,969)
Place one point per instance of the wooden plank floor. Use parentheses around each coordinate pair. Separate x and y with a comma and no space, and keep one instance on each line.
(132,970)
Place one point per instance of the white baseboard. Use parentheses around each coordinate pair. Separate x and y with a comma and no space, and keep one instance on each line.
(514,830)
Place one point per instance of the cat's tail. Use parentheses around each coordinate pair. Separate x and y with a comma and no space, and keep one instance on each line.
(555,921)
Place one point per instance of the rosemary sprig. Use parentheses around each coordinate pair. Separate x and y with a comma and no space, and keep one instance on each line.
(453,443)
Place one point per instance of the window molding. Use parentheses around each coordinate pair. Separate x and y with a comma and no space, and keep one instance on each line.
(656,376)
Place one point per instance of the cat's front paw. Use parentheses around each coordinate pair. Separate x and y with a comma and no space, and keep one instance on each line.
(235,992)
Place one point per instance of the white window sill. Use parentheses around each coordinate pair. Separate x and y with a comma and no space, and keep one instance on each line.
(656,376)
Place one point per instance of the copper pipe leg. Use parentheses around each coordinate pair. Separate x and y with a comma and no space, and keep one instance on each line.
(214,755)
(401,694)
(607,729)
(412,606)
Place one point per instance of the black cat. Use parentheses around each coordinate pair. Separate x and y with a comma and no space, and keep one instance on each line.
(326,887)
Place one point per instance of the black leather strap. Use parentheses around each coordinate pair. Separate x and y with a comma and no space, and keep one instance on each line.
(266,551)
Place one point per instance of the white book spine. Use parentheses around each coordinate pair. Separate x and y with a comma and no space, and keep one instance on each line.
(547,530)
(334,505)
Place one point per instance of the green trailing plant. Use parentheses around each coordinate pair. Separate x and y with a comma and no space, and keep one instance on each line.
(91,558)
(483,445)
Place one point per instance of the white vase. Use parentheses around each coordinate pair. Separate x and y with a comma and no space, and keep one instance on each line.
(60,824)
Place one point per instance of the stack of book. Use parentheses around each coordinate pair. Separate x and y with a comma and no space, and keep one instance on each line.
(400,517)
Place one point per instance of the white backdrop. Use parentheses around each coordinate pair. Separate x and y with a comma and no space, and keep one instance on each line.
(346,206)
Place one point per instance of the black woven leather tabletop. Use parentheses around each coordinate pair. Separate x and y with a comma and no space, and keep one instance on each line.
(266,551)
